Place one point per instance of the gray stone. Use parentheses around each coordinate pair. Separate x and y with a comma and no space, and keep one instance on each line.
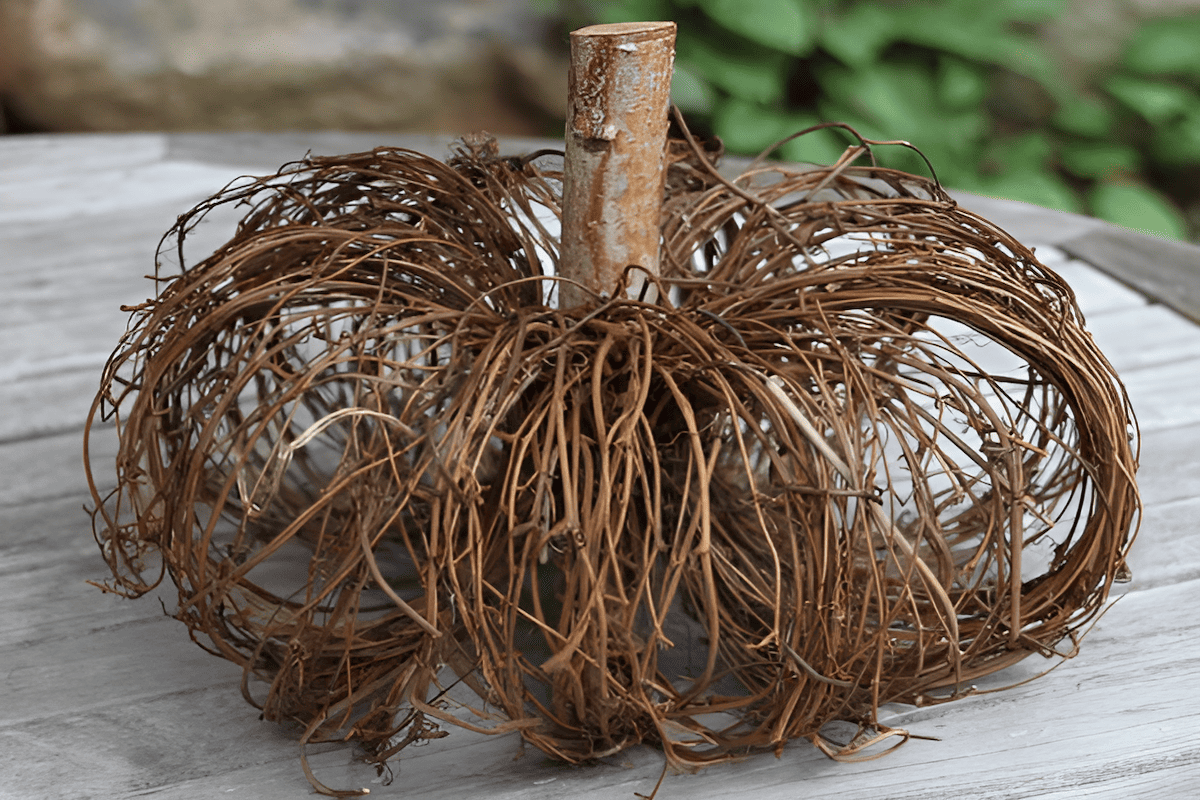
(1090,35)
(431,65)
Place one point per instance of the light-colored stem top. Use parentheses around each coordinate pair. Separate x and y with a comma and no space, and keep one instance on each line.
(620,85)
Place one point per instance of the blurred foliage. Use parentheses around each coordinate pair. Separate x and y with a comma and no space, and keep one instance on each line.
(970,83)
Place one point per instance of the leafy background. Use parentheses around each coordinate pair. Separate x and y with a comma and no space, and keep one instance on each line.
(971,83)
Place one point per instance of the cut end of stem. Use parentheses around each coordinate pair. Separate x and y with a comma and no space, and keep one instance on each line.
(620,88)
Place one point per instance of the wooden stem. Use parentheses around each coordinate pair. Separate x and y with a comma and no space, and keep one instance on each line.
(620,87)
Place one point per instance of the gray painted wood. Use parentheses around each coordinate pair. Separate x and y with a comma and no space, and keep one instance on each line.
(106,698)
(1166,270)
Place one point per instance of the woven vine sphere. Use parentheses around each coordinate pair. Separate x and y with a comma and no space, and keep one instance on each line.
(862,450)
(282,406)
(940,480)
(868,454)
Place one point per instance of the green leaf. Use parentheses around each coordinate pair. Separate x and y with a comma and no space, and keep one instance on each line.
(893,97)
(633,10)
(754,74)
(784,25)
(818,147)
(945,160)
(833,111)
(1099,159)
(1019,169)
(900,101)
(1039,187)
(1136,206)
(1026,11)
(1169,45)
(747,128)
(1178,144)
(691,92)
(960,85)
(978,32)
(1028,153)
(857,37)
(1157,101)
(1085,116)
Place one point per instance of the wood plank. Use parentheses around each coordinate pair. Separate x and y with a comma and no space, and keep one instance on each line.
(64,295)
(1144,337)
(1165,396)
(1164,269)
(156,715)
(166,719)
(1169,478)
(1170,469)
(1096,292)
(1027,222)
(108,698)
(268,151)
(66,159)
(63,195)
(1167,550)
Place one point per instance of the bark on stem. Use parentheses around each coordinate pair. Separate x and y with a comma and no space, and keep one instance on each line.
(620,85)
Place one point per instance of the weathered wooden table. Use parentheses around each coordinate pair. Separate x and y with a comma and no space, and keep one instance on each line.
(107,698)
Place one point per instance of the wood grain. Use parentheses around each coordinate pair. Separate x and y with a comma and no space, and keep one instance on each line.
(106,698)
(1166,270)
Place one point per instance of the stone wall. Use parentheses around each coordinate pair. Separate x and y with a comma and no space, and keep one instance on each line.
(428,65)
(1090,36)
(398,65)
